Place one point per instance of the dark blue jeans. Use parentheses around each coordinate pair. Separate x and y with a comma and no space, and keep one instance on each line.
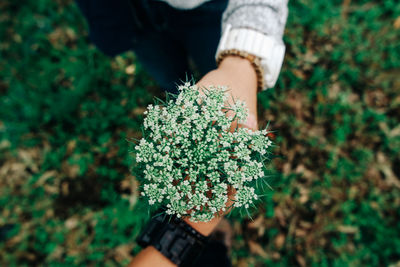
(214,255)
(172,38)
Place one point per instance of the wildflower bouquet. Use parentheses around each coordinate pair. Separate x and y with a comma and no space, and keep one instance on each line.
(189,157)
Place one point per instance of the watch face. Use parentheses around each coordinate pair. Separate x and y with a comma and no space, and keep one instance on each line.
(173,238)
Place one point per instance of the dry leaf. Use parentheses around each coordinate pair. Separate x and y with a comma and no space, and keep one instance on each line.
(279,241)
(305,225)
(71,223)
(345,6)
(279,215)
(396,23)
(122,252)
(300,259)
(71,146)
(4,144)
(299,74)
(138,111)
(51,189)
(300,232)
(256,248)
(394,132)
(65,188)
(304,192)
(44,177)
(256,223)
(347,229)
(130,69)
(385,166)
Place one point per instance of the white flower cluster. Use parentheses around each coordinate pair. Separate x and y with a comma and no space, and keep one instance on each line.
(190,156)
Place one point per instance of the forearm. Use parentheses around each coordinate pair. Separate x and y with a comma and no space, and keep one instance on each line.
(150,257)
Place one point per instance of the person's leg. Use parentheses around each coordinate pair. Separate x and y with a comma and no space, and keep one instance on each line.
(163,58)
(162,54)
(200,31)
(180,34)
(215,254)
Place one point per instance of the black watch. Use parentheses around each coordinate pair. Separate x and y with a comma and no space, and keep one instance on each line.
(174,238)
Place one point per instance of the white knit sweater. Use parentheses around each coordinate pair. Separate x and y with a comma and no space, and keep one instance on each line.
(266,16)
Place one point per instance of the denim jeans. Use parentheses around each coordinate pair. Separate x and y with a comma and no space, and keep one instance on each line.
(172,38)
(214,255)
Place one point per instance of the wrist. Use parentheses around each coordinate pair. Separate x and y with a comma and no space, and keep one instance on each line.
(241,67)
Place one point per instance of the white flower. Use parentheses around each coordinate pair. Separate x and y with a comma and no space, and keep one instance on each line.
(240,110)
(260,142)
(190,157)
(244,197)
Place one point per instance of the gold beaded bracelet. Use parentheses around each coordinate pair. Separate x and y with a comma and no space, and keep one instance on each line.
(254,60)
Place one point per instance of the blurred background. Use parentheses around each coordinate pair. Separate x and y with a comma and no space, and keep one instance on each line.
(67,197)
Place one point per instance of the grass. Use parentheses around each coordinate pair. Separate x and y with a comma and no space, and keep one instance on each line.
(67,196)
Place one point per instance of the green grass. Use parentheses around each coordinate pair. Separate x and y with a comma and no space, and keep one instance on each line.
(66,194)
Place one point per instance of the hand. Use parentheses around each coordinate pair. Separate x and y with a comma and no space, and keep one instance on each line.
(240,77)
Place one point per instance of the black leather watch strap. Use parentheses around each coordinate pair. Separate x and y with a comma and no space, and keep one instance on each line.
(174,238)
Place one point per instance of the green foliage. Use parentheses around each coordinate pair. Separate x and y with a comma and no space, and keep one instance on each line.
(66,193)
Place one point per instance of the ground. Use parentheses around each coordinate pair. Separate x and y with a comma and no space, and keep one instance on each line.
(67,196)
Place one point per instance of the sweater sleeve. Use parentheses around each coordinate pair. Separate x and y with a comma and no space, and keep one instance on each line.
(266,16)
